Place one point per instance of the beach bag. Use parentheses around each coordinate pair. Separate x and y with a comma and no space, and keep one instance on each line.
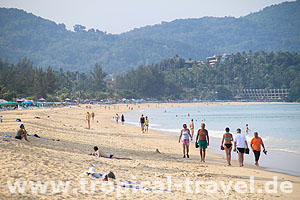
(247,151)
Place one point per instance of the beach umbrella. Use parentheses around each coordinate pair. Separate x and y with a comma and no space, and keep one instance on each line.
(3,101)
(42,99)
(67,99)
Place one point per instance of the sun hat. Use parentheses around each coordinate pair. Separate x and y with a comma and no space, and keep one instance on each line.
(92,170)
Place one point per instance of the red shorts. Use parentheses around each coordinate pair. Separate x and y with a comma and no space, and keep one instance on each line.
(186,142)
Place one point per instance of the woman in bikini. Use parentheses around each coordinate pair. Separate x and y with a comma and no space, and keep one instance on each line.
(227,141)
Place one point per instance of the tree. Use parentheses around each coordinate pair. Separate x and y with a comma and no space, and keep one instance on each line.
(98,83)
(78,28)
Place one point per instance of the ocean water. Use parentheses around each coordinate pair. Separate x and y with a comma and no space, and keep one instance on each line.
(277,124)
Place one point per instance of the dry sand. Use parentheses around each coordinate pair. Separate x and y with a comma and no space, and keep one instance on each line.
(67,159)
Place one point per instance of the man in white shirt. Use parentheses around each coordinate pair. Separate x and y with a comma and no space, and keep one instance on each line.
(240,143)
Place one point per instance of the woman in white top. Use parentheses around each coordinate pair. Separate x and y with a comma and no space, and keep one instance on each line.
(185,135)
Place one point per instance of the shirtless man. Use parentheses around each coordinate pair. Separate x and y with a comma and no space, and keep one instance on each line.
(192,127)
(203,141)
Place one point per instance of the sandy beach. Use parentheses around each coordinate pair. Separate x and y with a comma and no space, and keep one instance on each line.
(65,158)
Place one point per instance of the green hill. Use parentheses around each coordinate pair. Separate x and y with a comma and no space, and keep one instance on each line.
(46,43)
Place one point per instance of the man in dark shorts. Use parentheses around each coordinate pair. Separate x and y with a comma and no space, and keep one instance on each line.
(240,144)
(203,141)
(255,143)
(142,122)
(22,133)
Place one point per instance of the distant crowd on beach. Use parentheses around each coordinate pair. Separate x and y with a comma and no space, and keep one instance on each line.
(238,143)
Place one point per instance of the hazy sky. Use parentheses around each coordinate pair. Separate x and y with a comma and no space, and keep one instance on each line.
(116,16)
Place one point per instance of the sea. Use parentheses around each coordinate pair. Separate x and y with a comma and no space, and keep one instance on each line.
(277,124)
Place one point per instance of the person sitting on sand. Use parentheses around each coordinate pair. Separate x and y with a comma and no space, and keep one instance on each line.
(98,153)
(240,143)
(203,141)
(22,133)
(255,143)
(227,137)
(185,135)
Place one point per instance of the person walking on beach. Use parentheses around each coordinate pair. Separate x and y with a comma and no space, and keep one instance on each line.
(255,144)
(146,124)
(22,133)
(117,118)
(142,123)
(88,118)
(240,144)
(203,141)
(192,127)
(122,119)
(227,139)
(93,115)
(247,129)
(185,135)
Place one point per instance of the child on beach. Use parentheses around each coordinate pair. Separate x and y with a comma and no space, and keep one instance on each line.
(185,135)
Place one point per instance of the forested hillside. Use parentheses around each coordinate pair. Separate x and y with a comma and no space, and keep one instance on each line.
(173,78)
(49,44)
(176,79)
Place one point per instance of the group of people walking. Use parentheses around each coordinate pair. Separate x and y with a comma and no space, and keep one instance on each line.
(238,143)
(144,122)
(202,140)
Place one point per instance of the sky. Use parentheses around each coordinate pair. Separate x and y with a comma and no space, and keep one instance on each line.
(117,16)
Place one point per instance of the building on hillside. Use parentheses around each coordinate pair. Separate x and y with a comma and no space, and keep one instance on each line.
(109,80)
(191,63)
(263,94)
(212,60)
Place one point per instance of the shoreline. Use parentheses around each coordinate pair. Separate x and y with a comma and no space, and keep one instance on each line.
(215,150)
(67,159)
